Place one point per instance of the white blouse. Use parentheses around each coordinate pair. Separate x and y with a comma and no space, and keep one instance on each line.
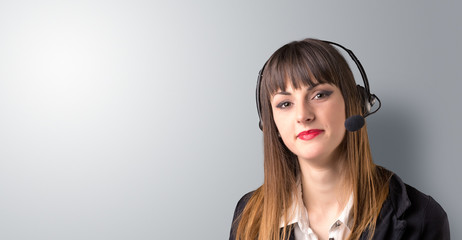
(339,230)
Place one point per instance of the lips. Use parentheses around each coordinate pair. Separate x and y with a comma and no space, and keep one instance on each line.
(310,134)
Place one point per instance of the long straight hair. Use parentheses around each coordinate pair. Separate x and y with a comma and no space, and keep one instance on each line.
(302,63)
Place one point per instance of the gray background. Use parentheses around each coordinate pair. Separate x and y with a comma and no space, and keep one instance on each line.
(137,120)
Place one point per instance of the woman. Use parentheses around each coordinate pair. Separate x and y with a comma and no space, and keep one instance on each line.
(320,181)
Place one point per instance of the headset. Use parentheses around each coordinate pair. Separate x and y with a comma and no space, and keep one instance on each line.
(353,123)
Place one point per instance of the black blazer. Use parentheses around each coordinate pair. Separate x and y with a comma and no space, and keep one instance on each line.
(406,214)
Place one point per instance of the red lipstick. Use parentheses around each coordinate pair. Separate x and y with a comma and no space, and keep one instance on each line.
(310,134)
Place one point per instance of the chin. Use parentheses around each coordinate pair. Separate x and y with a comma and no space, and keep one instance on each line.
(311,157)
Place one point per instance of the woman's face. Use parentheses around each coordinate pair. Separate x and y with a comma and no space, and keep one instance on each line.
(310,121)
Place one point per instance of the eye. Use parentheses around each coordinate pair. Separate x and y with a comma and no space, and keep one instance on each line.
(284,105)
(321,95)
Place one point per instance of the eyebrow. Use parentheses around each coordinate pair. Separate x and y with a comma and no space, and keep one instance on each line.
(288,93)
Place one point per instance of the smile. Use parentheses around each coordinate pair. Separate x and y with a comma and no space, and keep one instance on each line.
(310,134)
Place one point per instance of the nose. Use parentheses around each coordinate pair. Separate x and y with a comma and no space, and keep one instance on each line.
(304,113)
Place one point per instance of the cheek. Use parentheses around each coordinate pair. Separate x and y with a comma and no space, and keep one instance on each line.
(337,116)
(279,122)
(340,117)
(284,128)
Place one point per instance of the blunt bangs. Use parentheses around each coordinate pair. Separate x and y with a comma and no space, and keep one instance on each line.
(300,64)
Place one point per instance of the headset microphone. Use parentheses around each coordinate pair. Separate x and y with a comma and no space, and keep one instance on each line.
(356,122)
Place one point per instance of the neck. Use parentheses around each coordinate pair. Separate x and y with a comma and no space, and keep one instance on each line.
(324,187)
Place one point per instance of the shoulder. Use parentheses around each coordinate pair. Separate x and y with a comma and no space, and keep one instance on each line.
(241,205)
(428,206)
(237,213)
(422,214)
(407,199)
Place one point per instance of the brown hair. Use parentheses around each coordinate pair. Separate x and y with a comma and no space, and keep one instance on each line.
(301,63)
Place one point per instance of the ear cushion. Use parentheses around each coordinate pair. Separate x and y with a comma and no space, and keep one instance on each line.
(257,97)
(365,99)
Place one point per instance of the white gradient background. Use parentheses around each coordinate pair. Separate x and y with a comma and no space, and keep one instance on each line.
(137,120)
